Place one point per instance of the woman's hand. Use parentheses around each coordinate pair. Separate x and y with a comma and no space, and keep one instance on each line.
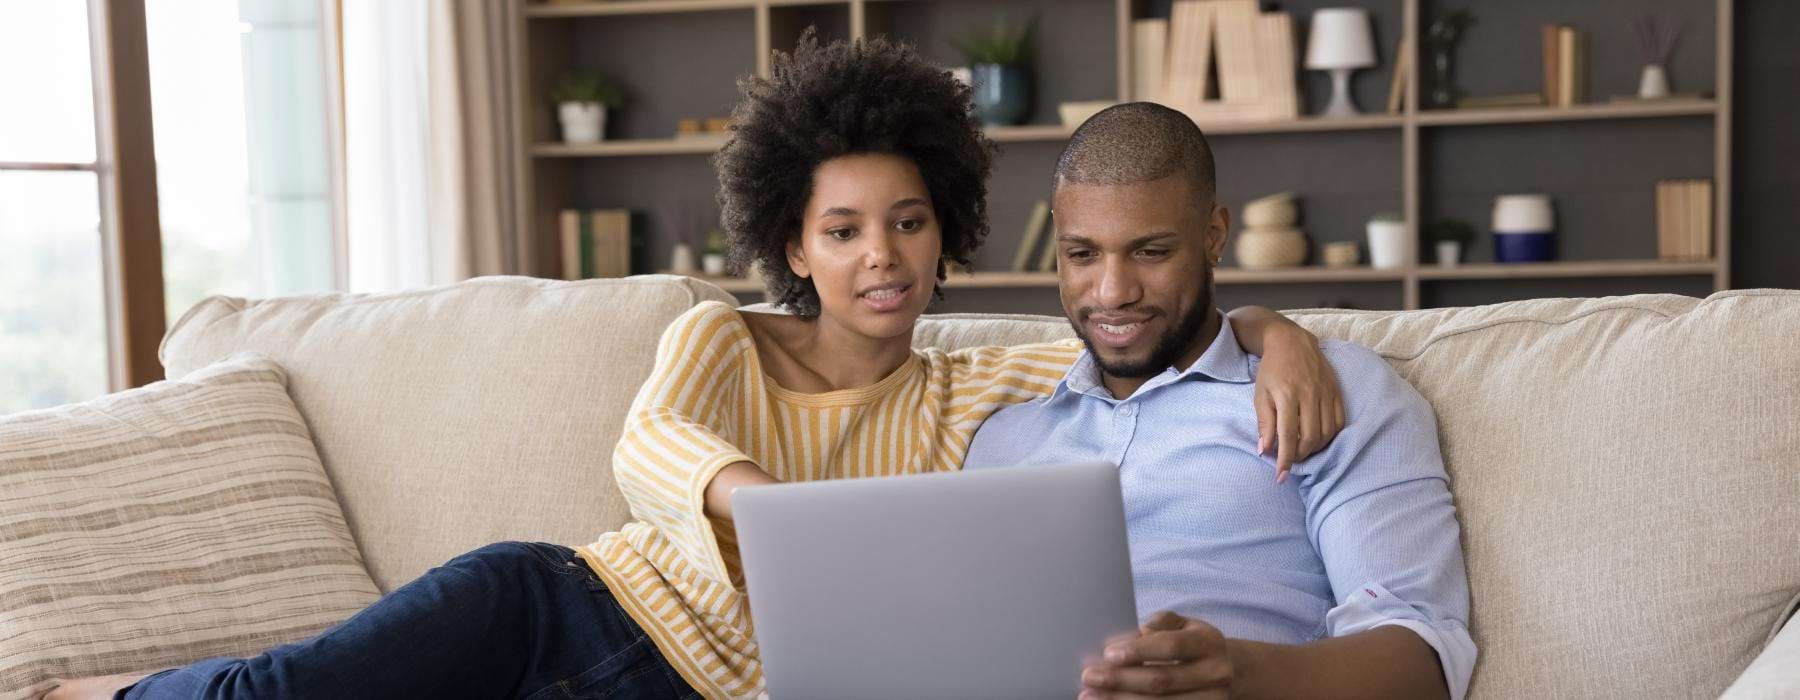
(1299,406)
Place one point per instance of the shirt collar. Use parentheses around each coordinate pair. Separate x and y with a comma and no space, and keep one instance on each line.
(1223,361)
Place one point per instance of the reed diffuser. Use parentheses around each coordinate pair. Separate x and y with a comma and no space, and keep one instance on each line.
(1656,45)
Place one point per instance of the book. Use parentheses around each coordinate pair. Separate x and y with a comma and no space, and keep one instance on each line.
(1235,33)
(1190,53)
(1701,238)
(1571,60)
(1149,55)
(1275,66)
(587,245)
(1047,259)
(569,226)
(1034,233)
(1552,63)
(610,254)
(1397,84)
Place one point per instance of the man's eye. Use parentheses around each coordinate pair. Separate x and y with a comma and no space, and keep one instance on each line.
(1154,253)
(1080,255)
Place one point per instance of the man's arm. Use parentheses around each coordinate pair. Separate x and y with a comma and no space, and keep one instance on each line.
(1173,656)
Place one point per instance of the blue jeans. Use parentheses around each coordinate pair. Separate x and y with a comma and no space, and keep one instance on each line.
(509,620)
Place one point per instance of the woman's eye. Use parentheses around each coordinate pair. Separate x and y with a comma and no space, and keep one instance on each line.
(842,234)
(909,225)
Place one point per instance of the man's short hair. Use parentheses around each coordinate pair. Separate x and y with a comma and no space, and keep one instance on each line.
(1137,142)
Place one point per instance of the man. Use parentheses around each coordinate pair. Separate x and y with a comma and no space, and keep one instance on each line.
(1344,581)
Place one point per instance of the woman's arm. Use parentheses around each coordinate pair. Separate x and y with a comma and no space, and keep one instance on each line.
(1299,406)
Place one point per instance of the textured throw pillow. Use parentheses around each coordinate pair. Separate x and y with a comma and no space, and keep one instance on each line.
(159,526)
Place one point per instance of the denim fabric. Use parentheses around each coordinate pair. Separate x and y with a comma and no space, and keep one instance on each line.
(509,620)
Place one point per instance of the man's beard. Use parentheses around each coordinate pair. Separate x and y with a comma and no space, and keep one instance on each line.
(1168,348)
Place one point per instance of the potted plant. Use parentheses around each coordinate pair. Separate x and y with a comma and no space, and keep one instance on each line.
(1000,70)
(1450,237)
(713,263)
(582,99)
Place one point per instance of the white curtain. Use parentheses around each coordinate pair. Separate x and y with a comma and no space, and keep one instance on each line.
(428,141)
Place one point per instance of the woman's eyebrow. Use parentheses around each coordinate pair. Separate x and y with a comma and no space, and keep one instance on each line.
(908,202)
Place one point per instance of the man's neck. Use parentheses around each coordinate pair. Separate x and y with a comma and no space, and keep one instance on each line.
(1123,387)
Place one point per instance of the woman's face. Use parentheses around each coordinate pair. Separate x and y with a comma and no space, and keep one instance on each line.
(869,239)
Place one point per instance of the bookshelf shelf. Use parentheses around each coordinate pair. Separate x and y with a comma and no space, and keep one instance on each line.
(629,147)
(634,7)
(1345,170)
(1000,134)
(1621,110)
(1583,268)
(1047,280)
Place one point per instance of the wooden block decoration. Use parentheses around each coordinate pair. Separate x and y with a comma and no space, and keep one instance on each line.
(1254,53)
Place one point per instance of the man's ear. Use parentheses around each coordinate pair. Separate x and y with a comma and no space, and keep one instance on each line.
(1216,232)
(796,256)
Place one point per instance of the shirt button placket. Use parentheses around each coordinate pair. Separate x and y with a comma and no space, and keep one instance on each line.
(1124,430)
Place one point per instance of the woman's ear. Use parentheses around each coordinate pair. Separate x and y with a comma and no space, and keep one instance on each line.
(796,256)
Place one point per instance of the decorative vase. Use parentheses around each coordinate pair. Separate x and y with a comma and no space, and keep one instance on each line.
(1654,83)
(1449,253)
(1265,248)
(582,122)
(1002,93)
(1524,228)
(1273,211)
(1341,254)
(1387,244)
(681,261)
(713,265)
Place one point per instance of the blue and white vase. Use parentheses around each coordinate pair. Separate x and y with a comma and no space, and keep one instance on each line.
(1524,228)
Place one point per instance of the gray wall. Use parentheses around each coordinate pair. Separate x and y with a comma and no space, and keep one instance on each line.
(1766,146)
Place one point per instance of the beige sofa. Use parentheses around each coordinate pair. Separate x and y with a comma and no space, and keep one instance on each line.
(1627,470)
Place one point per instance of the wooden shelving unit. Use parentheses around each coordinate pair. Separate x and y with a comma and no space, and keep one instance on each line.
(552,175)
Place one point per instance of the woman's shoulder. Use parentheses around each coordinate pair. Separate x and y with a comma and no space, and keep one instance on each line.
(708,332)
(1054,356)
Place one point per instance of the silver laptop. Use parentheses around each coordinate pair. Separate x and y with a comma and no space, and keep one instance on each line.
(989,584)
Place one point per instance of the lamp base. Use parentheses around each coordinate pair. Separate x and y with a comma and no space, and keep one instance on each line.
(1342,104)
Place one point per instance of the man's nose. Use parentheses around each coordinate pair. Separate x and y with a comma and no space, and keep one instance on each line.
(1118,283)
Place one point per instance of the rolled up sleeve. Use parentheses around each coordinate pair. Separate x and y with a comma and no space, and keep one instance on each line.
(1385,526)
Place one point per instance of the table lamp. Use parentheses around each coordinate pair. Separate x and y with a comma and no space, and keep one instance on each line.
(1341,43)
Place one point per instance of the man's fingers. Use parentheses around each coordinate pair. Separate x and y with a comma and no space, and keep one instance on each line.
(1265,421)
(1158,680)
(1125,695)
(1164,621)
(1166,646)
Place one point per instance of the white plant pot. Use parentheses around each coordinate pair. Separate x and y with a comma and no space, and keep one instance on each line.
(1387,244)
(582,122)
(1449,253)
(713,264)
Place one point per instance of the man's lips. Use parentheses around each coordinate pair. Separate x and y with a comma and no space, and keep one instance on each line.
(1118,331)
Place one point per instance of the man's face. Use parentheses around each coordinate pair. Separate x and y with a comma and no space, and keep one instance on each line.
(1135,265)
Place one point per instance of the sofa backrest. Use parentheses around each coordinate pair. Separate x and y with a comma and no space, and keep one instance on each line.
(1626,471)
(457,416)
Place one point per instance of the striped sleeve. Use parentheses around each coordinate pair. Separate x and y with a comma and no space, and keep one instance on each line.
(675,440)
(987,379)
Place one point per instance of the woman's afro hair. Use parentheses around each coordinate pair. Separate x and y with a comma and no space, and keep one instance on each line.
(822,102)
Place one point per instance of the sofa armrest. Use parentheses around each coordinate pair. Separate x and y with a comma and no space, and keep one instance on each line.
(1772,674)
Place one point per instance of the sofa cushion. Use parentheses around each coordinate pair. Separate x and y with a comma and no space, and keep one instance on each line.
(1627,473)
(164,525)
(457,416)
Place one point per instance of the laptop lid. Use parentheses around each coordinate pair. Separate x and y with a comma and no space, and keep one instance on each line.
(991,584)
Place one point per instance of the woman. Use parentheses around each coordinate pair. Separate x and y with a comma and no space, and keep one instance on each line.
(854,175)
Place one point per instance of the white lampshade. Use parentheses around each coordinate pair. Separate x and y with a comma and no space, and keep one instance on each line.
(1340,39)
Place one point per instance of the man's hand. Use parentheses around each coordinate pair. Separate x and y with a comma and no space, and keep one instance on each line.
(1171,656)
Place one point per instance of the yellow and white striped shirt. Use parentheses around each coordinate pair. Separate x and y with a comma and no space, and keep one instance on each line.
(708,404)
